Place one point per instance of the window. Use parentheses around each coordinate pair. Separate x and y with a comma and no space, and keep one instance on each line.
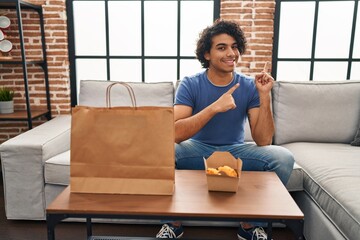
(316,40)
(135,41)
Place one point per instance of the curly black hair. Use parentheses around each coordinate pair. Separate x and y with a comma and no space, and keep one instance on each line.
(219,27)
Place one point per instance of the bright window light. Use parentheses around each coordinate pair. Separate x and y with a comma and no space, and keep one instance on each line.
(189,67)
(334,29)
(356,53)
(125,28)
(89,25)
(293,71)
(160,28)
(160,70)
(125,70)
(296,29)
(330,71)
(190,29)
(355,71)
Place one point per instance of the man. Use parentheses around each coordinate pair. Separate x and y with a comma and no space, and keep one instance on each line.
(211,109)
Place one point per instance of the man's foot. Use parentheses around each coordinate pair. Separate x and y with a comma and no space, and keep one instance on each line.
(255,233)
(168,230)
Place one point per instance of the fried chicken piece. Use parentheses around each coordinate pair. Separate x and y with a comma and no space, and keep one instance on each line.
(212,171)
(228,171)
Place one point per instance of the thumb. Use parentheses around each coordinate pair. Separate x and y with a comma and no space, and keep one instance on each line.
(231,90)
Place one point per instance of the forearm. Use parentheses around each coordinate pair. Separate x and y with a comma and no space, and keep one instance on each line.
(264,128)
(188,127)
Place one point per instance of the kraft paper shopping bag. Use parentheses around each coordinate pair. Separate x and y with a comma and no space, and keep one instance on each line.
(122,150)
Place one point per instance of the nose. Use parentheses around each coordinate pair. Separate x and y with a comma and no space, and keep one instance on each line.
(230,52)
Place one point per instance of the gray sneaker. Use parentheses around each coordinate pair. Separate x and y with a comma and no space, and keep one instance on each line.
(170,231)
(255,233)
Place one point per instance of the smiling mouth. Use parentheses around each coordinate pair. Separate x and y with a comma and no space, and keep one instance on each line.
(229,61)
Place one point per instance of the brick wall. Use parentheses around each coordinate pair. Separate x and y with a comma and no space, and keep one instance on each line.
(255,17)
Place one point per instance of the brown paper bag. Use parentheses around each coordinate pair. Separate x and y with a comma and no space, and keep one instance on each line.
(123,150)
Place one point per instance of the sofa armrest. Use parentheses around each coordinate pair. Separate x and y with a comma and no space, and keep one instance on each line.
(22,160)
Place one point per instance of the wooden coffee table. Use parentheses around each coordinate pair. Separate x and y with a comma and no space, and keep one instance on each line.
(261,197)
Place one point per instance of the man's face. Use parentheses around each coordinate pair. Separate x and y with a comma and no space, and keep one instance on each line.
(224,53)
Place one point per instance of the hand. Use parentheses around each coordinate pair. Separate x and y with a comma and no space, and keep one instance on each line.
(226,102)
(264,81)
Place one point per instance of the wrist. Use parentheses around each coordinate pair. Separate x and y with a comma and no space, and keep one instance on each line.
(265,98)
(213,109)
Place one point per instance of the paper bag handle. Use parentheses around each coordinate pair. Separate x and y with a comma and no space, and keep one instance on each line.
(128,87)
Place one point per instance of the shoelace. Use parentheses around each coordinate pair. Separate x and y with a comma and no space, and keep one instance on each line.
(166,231)
(259,233)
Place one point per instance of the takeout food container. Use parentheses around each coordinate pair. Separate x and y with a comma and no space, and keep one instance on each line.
(223,183)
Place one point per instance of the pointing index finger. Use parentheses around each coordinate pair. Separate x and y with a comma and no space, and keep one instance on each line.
(231,90)
(266,66)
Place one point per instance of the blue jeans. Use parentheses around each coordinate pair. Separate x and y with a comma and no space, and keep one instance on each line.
(189,155)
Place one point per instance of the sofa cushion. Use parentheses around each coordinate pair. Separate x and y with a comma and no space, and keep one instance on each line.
(57,169)
(247,129)
(316,111)
(332,180)
(93,93)
(296,179)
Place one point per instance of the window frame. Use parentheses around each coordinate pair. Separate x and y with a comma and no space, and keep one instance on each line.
(107,57)
(313,59)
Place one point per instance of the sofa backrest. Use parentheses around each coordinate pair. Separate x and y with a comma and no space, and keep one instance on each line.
(93,93)
(316,111)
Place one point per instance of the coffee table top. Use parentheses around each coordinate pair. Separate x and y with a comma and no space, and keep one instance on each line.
(260,195)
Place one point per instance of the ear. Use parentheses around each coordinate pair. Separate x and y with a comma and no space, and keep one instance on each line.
(207,56)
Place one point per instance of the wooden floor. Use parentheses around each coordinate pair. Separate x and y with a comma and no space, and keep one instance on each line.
(36,230)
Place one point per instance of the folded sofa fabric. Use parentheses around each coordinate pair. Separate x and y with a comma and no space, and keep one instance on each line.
(332,180)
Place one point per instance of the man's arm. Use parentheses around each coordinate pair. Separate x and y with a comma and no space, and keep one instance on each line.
(262,123)
(187,125)
(261,119)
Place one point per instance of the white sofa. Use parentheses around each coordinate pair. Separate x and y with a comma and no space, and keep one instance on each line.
(315,120)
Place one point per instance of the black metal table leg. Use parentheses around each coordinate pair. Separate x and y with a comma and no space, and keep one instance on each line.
(269,230)
(88,227)
(51,221)
(297,227)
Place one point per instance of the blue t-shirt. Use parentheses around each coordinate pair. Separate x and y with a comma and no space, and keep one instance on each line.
(224,128)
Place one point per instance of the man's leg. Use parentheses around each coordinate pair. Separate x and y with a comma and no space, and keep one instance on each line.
(190,154)
(265,158)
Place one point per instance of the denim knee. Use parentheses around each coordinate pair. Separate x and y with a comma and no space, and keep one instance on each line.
(282,163)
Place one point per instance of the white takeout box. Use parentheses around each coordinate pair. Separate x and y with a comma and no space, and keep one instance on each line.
(223,183)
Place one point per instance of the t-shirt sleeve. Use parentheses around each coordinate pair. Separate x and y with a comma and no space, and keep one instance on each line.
(183,94)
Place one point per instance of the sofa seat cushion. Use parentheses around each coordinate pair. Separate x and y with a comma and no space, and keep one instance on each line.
(57,172)
(332,180)
(296,179)
(57,169)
